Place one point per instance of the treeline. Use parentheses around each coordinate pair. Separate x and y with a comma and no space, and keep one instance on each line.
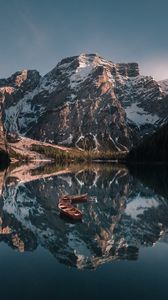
(76,155)
(153,148)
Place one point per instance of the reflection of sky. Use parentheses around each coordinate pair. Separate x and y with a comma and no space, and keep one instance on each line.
(37,34)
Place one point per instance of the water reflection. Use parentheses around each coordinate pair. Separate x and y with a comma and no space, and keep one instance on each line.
(130,211)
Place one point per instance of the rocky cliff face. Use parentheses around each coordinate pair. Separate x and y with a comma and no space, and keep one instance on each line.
(86,102)
(18,111)
(164,86)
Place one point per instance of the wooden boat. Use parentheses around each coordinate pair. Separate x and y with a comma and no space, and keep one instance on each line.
(70,211)
(66,208)
(75,198)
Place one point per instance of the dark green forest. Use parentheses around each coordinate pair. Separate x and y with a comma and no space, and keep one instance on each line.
(153,148)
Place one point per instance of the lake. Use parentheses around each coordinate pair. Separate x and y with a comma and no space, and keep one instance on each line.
(118,251)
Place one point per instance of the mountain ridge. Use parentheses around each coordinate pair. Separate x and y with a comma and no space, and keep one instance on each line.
(85,102)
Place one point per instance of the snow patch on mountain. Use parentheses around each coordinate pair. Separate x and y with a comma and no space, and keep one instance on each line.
(22,114)
(67,141)
(87,64)
(164,86)
(139,116)
(80,75)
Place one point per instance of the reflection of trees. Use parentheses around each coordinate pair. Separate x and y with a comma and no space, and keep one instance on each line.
(29,211)
(154,176)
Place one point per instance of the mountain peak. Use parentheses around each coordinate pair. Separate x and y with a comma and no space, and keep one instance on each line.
(86,102)
(20,78)
(93,60)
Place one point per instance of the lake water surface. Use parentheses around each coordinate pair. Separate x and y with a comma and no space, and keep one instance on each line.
(118,251)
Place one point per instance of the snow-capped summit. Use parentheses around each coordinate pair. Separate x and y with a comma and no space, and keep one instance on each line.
(86,101)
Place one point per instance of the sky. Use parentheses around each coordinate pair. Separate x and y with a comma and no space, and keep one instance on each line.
(37,34)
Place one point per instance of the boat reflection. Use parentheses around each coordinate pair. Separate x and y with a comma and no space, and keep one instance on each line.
(129,212)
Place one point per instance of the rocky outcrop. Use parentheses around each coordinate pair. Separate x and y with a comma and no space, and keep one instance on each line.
(4,153)
(164,86)
(86,102)
(127,70)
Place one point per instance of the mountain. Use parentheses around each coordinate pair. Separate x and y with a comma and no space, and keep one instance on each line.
(85,102)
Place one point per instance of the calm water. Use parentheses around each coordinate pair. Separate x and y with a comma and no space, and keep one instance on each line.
(118,251)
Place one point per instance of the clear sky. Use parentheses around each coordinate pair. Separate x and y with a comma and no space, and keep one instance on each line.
(36,34)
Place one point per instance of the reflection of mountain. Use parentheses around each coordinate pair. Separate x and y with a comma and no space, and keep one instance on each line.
(125,216)
(154,176)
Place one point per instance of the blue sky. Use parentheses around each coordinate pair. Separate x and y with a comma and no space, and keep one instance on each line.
(36,34)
